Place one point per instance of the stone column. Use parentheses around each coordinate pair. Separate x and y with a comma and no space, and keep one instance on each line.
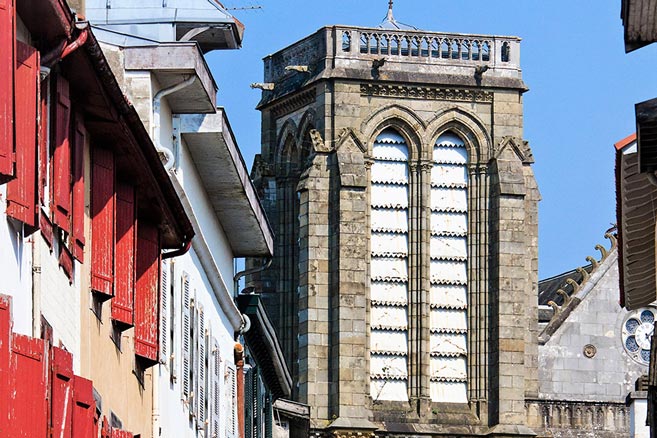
(350,279)
(313,290)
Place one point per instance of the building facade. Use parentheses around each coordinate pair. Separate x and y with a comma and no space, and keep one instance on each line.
(87,214)
(400,189)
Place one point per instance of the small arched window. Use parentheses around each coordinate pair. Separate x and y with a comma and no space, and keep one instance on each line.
(506,52)
(346,42)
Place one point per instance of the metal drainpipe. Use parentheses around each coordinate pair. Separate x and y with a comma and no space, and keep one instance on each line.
(63,50)
(157,99)
(239,365)
(241,274)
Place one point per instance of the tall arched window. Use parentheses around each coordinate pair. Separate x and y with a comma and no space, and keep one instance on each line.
(389,198)
(448,269)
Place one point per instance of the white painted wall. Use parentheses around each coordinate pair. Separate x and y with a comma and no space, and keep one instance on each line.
(16,267)
(638,413)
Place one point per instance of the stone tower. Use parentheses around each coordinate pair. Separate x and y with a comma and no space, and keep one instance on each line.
(395,175)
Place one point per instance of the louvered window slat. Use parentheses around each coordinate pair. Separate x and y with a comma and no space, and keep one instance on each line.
(186,342)
(215,388)
(201,369)
(230,399)
(164,312)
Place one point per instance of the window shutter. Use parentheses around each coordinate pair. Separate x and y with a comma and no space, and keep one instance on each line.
(250,403)
(102,222)
(201,383)
(118,433)
(29,379)
(164,312)
(173,318)
(5,351)
(105,431)
(186,335)
(62,156)
(21,191)
(215,388)
(61,381)
(77,216)
(7,49)
(230,386)
(84,408)
(147,292)
(44,152)
(124,266)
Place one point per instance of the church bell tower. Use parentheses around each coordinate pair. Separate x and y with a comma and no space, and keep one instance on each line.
(395,175)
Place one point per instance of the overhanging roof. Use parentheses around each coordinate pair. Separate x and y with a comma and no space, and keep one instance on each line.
(172,63)
(263,345)
(639,22)
(227,183)
(204,21)
(636,198)
(109,118)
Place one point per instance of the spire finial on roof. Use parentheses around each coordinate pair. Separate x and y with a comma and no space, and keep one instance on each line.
(390,17)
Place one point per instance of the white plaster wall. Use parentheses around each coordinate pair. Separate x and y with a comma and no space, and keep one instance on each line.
(212,231)
(173,412)
(59,301)
(16,267)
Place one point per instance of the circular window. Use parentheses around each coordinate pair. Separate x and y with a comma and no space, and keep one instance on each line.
(637,334)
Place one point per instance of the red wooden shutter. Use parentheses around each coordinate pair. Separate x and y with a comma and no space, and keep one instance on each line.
(7,49)
(29,408)
(77,229)
(5,373)
(66,261)
(61,167)
(61,408)
(102,222)
(84,408)
(122,303)
(147,291)
(118,433)
(43,140)
(105,431)
(21,191)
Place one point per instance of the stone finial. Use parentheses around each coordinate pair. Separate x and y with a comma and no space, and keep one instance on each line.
(584,273)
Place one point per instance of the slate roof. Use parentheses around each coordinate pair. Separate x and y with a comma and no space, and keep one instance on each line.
(547,288)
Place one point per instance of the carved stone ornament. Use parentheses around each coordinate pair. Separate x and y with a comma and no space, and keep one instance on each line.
(318,142)
(348,134)
(426,93)
(589,350)
(516,145)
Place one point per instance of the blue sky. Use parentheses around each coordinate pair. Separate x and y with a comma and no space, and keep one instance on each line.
(583,88)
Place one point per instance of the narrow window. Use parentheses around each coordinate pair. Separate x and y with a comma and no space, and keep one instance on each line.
(435,51)
(475,51)
(363,43)
(455,49)
(465,49)
(346,42)
(415,47)
(424,47)
(506,52)
(444,49)
(389,197)
(485,51)
(448,270)
(394,46)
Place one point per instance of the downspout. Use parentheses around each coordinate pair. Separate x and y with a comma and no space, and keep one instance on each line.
(241,274)
(239,365)
(157,99)
(60,52)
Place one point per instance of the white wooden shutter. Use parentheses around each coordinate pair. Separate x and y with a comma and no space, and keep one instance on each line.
(215,410)
(164,312)
(173,325)
(201,364)
(230,399)
(186,335)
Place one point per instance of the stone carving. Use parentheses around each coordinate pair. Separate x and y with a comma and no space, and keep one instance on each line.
(589,350)
(426,93)
(518,146)
(294,103)
(571,300)
(319,145)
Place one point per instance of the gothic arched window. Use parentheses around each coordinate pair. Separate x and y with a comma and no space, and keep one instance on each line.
(394,264)
(389,198)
